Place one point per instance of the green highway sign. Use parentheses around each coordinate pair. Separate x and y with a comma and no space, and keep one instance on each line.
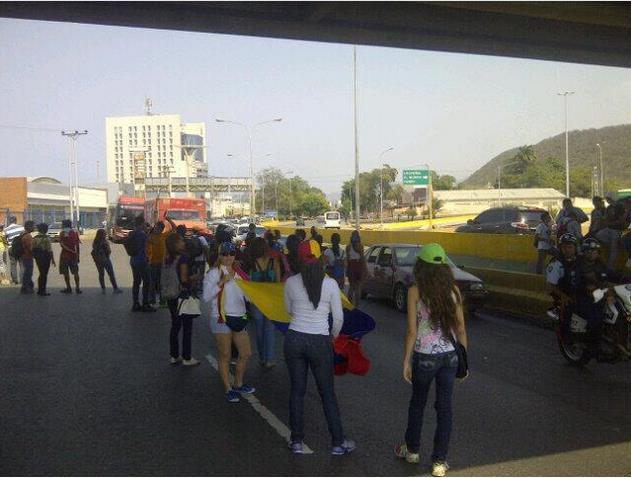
(416,177)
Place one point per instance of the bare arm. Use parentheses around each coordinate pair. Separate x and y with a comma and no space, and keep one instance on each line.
(277,277)
(410,336)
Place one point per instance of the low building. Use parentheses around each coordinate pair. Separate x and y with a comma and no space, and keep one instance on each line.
(45,199)
(474,201)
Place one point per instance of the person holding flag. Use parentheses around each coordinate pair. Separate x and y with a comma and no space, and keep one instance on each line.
(228,320)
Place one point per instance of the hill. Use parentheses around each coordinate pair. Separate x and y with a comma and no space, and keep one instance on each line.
(583,154)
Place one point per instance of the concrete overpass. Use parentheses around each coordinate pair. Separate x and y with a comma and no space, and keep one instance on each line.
(580,32)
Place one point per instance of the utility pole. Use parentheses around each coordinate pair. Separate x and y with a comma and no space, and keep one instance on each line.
(74,196)
(567,156)
(602,174)
(356,139)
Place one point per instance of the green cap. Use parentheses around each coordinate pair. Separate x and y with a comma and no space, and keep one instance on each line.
(433,254)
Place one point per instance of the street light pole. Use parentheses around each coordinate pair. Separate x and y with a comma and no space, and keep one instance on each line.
(567,155)
(430,196)
(602,174)
(356,139)
(73,136)
(381,184)
(289,171)
(249,132)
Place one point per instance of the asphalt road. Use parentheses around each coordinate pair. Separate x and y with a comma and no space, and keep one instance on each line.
(86,389)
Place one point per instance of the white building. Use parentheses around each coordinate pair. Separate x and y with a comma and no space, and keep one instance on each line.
(151,146)
(474,201)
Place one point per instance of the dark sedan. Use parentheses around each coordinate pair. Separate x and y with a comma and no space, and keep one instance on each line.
(390,273)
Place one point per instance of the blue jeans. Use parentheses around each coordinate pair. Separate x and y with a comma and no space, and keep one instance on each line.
(102,268)
(140,271)
(264,334)
(426,368)
(27,274)
(304,351)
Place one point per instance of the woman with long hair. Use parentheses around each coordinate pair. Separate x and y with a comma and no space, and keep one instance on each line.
(101,252)
(263,268)
(177,280)
(228,320)
(435,320)
(309,299)
(356,268)
(335,258)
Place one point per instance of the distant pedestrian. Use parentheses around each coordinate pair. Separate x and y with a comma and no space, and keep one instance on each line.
(543,240)
(101,252)
(228,321)
(356,268)
(136,246)
(277,235)
(597,221)
(434,317)
(335,258)
(156,249)
(11,232)
(310,297)
(263,268)
(615,223)
(26,258)
(301,233)
(564,213)
(313,232)
(176,282)
(4,257)
(572,226)
(293,262)
(43,255)
(69,256)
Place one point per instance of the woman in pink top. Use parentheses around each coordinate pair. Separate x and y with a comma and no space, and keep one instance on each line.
(435,319)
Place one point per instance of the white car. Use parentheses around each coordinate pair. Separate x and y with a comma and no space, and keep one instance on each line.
(332,220)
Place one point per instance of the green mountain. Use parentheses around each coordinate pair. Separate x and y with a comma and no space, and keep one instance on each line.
(583,153)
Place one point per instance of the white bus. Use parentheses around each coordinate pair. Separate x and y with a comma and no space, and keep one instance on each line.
(332,219)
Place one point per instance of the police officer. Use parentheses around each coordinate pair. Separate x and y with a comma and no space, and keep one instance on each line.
(562,273)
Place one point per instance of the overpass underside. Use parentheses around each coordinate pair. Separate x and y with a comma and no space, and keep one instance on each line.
(580,32)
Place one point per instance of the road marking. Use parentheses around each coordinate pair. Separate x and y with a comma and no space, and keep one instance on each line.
(262,410)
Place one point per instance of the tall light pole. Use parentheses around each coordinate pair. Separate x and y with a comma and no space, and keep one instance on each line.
(73,136)
(381,183)
(249,131)
(565,94)
(289,171)
(602,174)
(430,196)
(356,139)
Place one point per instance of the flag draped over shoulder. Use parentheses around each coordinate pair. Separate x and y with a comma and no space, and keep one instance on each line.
(268,297)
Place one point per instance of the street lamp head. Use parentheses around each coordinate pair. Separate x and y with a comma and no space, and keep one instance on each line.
(277,119)
(220,120)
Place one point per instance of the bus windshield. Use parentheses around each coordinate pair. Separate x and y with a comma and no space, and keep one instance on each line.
(183,215)
(126,215)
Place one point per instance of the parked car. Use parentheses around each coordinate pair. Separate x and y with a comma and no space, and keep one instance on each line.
(390,273)
(505,220)
(243,231)
(53,231)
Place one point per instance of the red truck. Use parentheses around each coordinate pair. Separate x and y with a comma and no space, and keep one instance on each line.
(123,216)
(190,212)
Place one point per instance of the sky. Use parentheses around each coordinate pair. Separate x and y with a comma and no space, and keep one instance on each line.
(451,111)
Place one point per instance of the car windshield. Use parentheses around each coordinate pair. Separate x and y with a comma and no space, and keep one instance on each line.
(126,216)
(183,215)
(406,256)
(259,231)
(332,216)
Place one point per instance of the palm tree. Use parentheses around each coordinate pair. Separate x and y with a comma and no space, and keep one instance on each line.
(524,158)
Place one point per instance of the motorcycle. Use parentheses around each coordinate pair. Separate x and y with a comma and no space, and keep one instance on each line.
(613,342)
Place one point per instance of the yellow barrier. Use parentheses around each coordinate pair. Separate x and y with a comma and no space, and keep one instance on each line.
(391,226)
(508,247)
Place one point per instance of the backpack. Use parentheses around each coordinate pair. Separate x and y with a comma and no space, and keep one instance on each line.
(193,247)
(169,281)
(131,245)
(17,248)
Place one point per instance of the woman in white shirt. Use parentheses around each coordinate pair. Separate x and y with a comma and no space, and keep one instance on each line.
(228,320)
(309,298)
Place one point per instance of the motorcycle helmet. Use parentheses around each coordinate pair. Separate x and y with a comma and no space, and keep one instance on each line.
(568,238)
(590,244)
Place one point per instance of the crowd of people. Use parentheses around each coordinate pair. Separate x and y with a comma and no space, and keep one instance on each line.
(174,268)
(609,224)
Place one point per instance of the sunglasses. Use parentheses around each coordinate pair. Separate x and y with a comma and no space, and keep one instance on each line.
(231,253)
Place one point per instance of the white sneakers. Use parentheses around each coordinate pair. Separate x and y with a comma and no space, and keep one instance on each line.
(186,363)
(190,363)
(439,468)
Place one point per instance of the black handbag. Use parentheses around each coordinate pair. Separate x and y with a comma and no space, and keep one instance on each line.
(463,362)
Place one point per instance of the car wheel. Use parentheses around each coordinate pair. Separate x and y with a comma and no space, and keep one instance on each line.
(400,298)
